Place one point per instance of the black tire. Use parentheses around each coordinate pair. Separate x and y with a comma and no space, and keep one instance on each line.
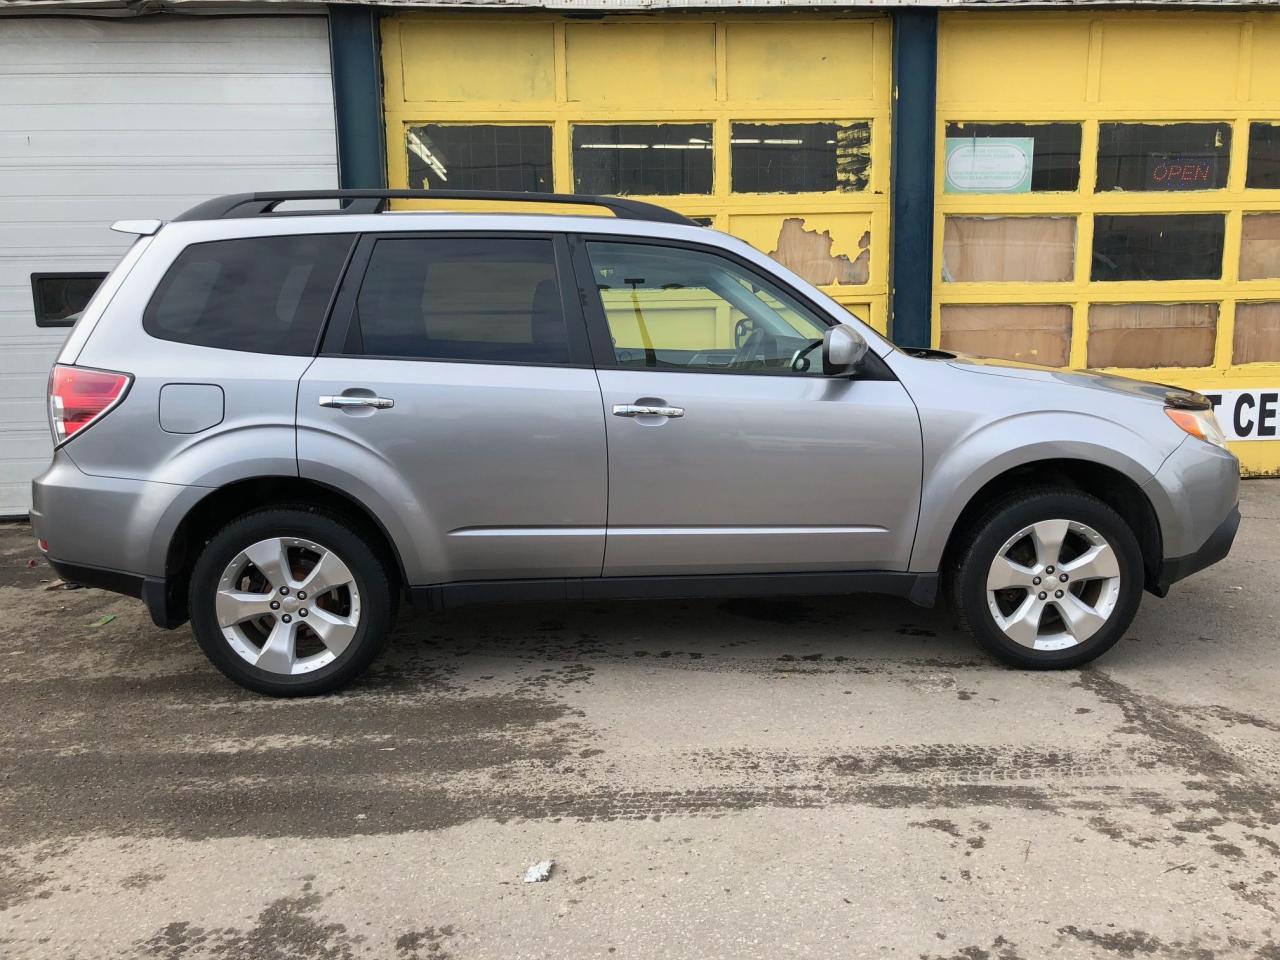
(967,576)
(378,597)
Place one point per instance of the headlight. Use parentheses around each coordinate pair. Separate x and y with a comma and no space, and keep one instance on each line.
(1201,424)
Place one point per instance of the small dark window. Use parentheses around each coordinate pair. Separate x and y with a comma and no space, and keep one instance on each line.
(800,157)
(485,300)
(1183,246)
(479,156)
(1055,151)
(1263,172)
(60,298)
(1163,156)
(257,294)
(642,158)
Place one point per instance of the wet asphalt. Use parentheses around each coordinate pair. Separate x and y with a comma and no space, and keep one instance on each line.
(751,778)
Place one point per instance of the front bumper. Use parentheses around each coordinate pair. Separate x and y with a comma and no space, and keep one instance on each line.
(1210,552)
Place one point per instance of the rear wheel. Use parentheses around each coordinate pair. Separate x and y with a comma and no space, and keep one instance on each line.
(1050,578)
(291,602)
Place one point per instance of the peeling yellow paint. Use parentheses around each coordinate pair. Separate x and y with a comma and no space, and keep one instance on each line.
(809,253)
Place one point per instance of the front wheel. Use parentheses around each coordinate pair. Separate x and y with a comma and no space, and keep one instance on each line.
(1050,578)
(290,602)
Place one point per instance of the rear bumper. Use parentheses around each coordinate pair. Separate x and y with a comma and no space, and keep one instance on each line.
(110,532)
(1215,548)
(150,590)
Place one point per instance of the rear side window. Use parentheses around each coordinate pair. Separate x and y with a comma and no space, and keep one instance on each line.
(257,294)
(493,300)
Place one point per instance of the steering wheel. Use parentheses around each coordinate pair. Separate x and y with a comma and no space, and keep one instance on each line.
(746,354)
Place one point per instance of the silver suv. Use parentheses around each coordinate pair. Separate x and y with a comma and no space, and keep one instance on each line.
(279,424)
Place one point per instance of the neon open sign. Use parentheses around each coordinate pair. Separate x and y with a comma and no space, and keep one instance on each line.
(1182,173)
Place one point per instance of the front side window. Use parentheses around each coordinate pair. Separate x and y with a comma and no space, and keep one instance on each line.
(493,300)
(256,294)
(672,308)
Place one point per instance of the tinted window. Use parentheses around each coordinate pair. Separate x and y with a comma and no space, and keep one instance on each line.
(674,308)
(479,156)
(260,294)
(642,158)
(1185,246)
(1163,156)
(1055,149)
(494,300)
(800,157)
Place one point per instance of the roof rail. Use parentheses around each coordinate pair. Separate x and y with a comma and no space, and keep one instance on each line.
(376,201)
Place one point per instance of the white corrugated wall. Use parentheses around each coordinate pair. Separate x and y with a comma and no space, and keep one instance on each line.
(102,120)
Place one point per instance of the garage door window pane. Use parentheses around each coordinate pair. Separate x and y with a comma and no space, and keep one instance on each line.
(1257,338)
(642,158)
(1260,246)
(257,294)
(1140,335)
(1263,171)
(1028,333)
(1038,249)
(60,298)
(1163,156)
(1055,158)
(479,157)
(1185,246)
(489,300)
(800,157)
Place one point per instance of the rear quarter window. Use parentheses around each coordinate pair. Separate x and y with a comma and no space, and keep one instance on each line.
(254,294)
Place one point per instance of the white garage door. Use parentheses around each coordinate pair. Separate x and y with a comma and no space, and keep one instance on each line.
(105,120)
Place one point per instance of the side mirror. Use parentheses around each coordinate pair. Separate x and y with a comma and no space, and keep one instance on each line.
(842,350)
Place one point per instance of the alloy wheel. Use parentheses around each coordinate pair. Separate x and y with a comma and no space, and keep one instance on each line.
(288,605)
(1053,584)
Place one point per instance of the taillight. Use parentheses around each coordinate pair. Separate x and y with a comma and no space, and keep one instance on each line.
(78,396)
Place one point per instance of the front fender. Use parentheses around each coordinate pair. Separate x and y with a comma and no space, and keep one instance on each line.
(968,462)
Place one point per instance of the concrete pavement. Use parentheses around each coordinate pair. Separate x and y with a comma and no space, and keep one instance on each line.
(825,778)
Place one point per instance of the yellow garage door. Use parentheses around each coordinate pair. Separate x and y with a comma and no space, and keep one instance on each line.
(1108,196)
(773,129)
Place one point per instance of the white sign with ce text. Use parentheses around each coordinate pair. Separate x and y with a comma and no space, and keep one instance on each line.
(1247,414)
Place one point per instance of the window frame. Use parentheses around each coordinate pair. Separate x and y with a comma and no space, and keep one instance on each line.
(873,367)
(42,320)
(337,339)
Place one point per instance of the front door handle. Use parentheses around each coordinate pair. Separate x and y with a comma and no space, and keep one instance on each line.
(645,410)
(381,403)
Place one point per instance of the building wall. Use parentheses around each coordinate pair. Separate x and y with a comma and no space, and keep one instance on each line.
(602,106)
(1153,113)
(104,120)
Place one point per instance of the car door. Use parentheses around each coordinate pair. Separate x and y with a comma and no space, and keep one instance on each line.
(729,451)
(455,396)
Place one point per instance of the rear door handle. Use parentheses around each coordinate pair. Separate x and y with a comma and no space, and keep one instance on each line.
(644,410)
(381,403)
